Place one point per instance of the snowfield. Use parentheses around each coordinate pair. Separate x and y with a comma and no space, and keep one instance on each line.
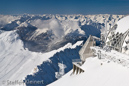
(107,74)
(16,62)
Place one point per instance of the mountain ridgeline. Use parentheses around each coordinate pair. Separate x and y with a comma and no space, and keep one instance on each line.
(43,33)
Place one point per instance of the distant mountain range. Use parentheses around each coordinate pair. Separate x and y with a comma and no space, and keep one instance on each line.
(42,33)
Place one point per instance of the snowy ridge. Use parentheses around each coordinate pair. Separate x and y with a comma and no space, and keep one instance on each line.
(15,61)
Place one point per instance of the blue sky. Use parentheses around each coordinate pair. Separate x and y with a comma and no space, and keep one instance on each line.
(64,6)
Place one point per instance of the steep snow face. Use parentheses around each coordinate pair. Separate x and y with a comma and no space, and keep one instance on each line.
(16,62)
(43,33)
(97,73)
(123,25)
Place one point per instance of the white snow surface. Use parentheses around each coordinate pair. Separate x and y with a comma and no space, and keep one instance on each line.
(123,25)
(16,62)
(107,74)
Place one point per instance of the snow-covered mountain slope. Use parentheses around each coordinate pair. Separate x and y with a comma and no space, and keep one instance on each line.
(47,32)
(96,74)
(50,71)
(16,62)
(21,35)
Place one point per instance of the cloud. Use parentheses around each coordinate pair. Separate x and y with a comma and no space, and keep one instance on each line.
(49,25)
(5,19)
(59,28)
